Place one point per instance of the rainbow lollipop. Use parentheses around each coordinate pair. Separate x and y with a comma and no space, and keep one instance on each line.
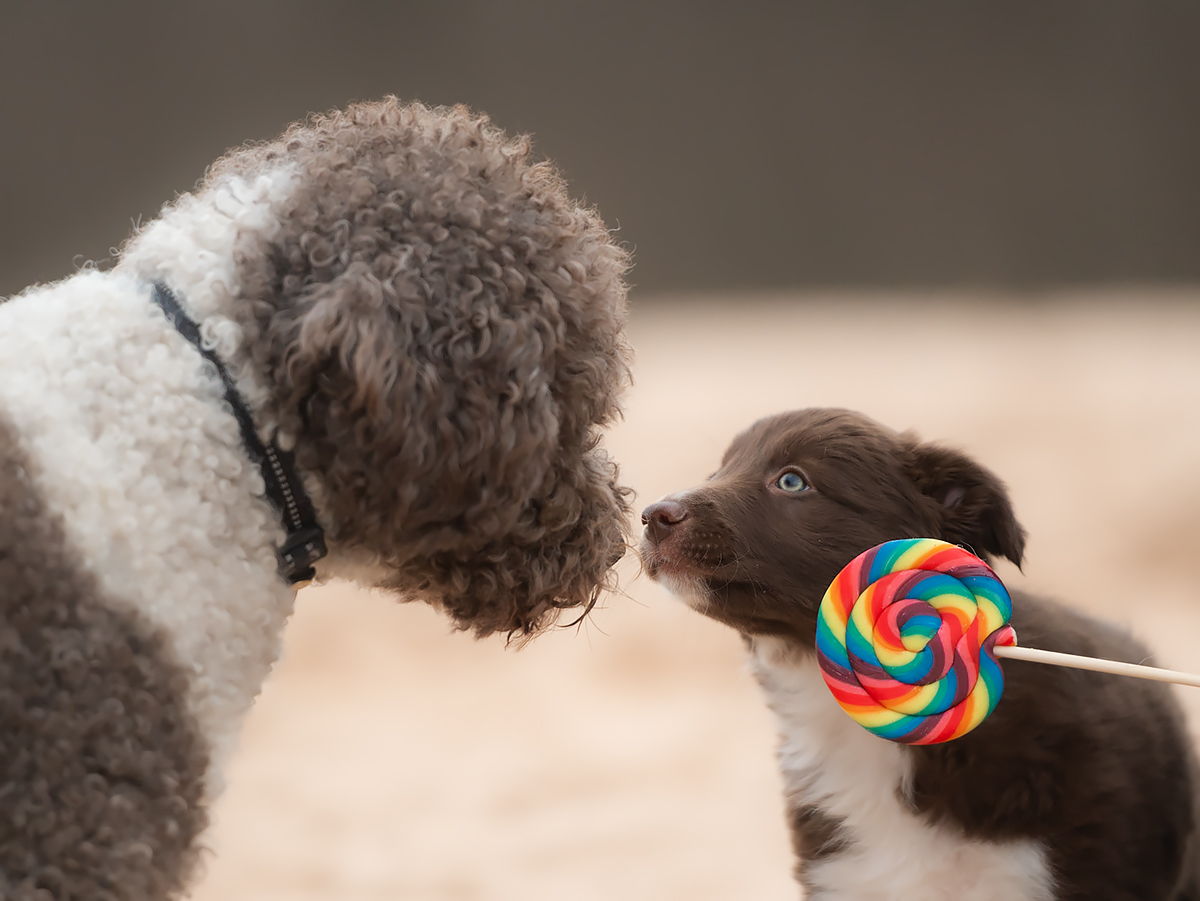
(905,639)
(908,635)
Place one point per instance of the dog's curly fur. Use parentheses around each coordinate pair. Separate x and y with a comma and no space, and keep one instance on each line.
(86,801)
(440,328)
(434,327)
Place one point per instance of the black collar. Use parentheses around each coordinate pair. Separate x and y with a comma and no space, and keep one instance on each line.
(305,542)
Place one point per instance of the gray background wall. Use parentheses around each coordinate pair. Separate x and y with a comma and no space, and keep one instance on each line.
(1018,144)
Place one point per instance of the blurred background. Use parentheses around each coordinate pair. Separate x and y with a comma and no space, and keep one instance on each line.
(775,144)
(979,221)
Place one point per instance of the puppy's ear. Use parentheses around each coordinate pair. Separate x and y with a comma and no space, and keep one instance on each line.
(972,503)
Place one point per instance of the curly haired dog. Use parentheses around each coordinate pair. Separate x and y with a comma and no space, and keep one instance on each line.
(420,333)
(1079,785)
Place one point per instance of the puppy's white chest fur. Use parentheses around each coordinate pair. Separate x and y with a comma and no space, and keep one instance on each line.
(888,852)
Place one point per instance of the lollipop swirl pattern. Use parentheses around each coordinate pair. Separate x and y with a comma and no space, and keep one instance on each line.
(905,636)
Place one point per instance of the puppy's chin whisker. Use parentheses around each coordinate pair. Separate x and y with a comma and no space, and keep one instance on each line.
(689,590)
(644,566)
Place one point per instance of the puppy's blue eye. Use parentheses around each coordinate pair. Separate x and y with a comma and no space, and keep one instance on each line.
(792,482)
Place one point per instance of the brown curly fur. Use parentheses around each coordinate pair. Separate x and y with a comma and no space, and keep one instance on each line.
(101,765)
(441,330)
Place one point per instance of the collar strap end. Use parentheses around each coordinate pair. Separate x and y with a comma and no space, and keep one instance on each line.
(298,554)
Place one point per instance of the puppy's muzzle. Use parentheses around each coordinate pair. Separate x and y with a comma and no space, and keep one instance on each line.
(661,518)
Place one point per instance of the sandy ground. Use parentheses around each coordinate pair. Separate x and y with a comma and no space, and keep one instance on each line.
(632,758)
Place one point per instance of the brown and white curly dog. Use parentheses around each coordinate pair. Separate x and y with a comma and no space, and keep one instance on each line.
(387,333)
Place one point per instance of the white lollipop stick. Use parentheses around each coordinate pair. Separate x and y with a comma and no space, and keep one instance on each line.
(1097,664)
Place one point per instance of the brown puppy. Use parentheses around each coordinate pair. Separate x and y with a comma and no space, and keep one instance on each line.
(1078,786)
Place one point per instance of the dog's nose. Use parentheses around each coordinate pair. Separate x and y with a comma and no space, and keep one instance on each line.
(660,518)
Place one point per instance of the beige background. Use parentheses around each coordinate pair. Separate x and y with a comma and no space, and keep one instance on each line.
(631,757)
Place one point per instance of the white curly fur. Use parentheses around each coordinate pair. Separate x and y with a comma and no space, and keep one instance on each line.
(191,247)
(137,454)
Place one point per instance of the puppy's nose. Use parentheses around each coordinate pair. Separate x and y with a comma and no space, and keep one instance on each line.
(660,518)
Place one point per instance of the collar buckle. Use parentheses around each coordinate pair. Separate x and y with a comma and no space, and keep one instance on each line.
(300,550)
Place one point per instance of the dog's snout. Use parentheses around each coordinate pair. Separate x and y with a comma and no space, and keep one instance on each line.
(660,518)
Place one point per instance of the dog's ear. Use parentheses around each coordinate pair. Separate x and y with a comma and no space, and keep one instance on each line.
(972,503)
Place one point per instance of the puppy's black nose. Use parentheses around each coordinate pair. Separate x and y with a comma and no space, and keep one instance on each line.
(659,519)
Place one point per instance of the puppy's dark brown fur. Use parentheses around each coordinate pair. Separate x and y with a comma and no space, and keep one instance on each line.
(1097,769)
